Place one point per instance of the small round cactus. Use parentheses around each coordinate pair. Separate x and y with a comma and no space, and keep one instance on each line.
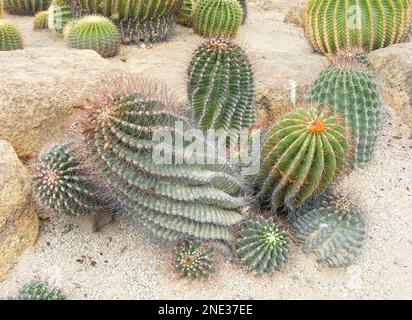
(41,20)
(37,290)
(96,33)
(262,245)
(193,259)
(10,38)
(218,18)
(187,12)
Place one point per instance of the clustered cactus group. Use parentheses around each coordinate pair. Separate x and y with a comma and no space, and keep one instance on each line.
(25,7)
(38,290)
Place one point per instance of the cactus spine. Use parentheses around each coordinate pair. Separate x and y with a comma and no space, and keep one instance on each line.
(25,7)
(301,156)
(96,33)
(194,259)
(10,38)
(335,24)
(221,87)
(172,200)
(243,3)
(218,18)
(350,89)
(41,20)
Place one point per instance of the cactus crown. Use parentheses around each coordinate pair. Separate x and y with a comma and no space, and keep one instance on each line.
(194,259)
(37,290)
(10,38)
(221,86)
(262,245)
(41,20)
(302,154)
(218,18)
(354,58)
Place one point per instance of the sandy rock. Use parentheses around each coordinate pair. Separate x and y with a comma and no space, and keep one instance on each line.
(18,220)
(37,102)
(394,68)
(295,15)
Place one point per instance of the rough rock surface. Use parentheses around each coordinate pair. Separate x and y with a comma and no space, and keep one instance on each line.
(296,15)
(394,67)
(18,220)
(39,90)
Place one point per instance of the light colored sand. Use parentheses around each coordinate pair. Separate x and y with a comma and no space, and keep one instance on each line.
(123,261)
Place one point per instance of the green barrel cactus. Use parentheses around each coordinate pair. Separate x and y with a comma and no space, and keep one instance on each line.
(173,198)
(25,7)
(218,18)
(193,259)
(262,245)
(38,290)
(221,87)
(61,183)
(301,156)
(96,33)
(59,15)
(243,3)
(10,38)
(187,12)
(41,20)
(335,24)
(333,230)
(349,88)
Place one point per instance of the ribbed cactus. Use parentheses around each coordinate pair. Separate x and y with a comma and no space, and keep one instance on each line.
(175,200)
(25,7)
(187,12)
(96,33)
(10,38)
(89,7)
(59,15)
(301,156)
(38,290)
(193,259)
(350,89)
(334,24)
(221,86)
(333,230)
(243,3)
(41,20)
(218,18)
(351,56)
(62,184)
(262,245)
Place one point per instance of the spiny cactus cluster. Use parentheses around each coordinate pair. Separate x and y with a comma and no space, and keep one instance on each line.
(194,259)
(62,184)
(172,200)
(41,20)
(10,38)
(349,89)
(38,290)
(218,18)
(96,33)
(262,245)
(333,230)
(59,15)
(335,24)
(187,12)
(221,87)
(25,7)
(301,156)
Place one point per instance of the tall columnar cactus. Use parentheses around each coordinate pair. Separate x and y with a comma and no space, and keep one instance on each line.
(41,20)
(333,230)
(59,15)
(187,12)
(88,7)
(38,290)
(334,24)
(172,198)
(262,245)
(61,183)
(349,88)
(25,7)
(301,156)
(218,18)
(10,38)
(96,33)
(221,86)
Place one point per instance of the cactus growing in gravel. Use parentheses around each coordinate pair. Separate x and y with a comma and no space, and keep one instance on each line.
(332,230)
(301,156)
(37,290)
(25,7)
(96,33)
(194,259)
(62,184)
(350,89)
(41,20)
(59,15)
(175,199)
(334,24)
(10,38)
(186,13)
(262,245)
(218,18)
(221,86)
